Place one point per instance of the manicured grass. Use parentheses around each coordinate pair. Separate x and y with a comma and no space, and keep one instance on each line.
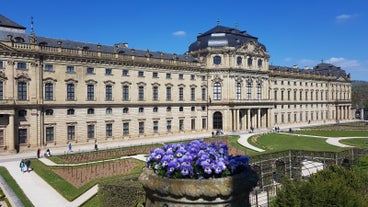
(361,142)
(272,142)
(15,187)
(65,188)
(335,133)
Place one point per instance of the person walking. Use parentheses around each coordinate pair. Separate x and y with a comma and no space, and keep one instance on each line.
(22,165)
(70,147)
(96,145)
(28,165)
(38,153)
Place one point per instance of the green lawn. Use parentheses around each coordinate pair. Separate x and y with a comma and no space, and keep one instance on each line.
(361,142)
(335,133)
(272,142)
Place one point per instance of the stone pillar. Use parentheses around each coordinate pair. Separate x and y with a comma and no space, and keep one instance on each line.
(259,118)
(248,117)
(10,133)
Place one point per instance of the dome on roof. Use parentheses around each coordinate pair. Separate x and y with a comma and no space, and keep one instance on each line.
(221,36)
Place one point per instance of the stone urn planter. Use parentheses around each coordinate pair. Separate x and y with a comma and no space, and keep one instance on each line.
(231,191)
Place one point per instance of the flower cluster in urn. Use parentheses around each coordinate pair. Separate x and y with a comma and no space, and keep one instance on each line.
(196,159)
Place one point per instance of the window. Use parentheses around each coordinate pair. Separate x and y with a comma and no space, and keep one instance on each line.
(249,91)
(217,60)
(22,65)
(275,95)
(181,124)
(192,108)
(22,91)
(140,109)
(109,110)
(49,67)
(141,127)
(155,109)
(140,73)
(90,111)
(155,93)
(282,95)
(168,125)
(203,108)
(168,75)
(108,71)
(300,95)
(203,77)
(125,72)
(239,60)
(22,113)
(155,126)
(90,131)
(90,92)
(192,94)
(204,94)
(49,134)
(288,95)
(70,112)
(109,130)
(1,66)
(181,94)
(1,90)
(125,93)
(181,76)
(294,95)
(125,110)
(250,62)
(71,132)
(217,91)
(154,75)
(125,128)
(70,69)
(108,92)
(192,124)
(49,91)
(70,91)
(168,109)
(49,112)
(181,108)
(192,77)
(204,123)
(168,93)
(22,136)
(90,70)
(141,93)
(306,95)
(259,91)
(238,91)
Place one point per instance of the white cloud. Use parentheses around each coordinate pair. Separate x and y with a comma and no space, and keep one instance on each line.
(343,17)
(179,33)
(288,59)
(342,62)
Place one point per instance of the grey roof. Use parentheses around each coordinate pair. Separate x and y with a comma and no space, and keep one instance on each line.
(325,69)
(220,36)
(5,22)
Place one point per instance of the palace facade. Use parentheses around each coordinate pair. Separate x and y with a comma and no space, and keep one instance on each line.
(55,91)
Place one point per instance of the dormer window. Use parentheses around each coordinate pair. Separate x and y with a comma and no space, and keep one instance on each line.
(19,39)
(250,62)
(260,62)
(217,60)
(239,60)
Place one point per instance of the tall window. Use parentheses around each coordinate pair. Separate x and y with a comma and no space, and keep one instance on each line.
(295,95)
(108,91)
(22,91)
(204,123)
(168,125)
(217,91)
(275,95)
(282,95)
(181,94)
(250,62)
(259,91)
(155,126)
(181,124)
(141,127)
(141,93)
(126,128)
(49,91)
(168,93)
(90,92)
(260,62)
(249,91)
(1,90)
(91,131)
(70,94)
(204,94)
(238,91)
(192,124)
(49,134)
(71,132)
(239,60)
(155,93)
(288,95)
(300,95)
(22,136)
(192,94)
(125,93)
(109,130)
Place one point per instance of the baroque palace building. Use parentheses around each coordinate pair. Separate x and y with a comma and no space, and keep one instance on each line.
(55,91)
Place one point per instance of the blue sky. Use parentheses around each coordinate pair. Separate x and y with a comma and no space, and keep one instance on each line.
(294,32)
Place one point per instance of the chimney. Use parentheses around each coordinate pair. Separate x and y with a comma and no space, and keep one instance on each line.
(125,44)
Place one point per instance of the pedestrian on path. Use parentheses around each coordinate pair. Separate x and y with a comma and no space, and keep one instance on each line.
(22,165)
(96,145)
(38,153)
(70,147)
(28,165)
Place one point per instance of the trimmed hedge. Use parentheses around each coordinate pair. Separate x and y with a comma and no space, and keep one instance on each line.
(125,191)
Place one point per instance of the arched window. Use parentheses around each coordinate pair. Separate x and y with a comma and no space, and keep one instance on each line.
(217,60)
(49,112)
(125,110)
(109,110)
(70,111)
(49,91)
(217,120)
(260,62)
(90,111)
(217,91)
(250,61)
(249,91)
(239,60)
(259,91)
